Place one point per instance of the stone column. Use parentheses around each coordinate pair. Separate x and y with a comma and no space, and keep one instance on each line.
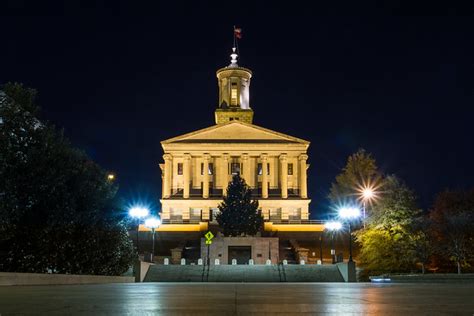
(263,159)
(205,177)
(167,178)
(186,175)
(303,178)
(225,173)
(246,168)
(284,176)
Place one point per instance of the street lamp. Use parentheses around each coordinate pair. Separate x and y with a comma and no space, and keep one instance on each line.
(153,223)
(333,227)
(349,214)
(368,194)
(138,212)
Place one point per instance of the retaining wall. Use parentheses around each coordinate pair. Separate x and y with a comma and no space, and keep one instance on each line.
(13,278)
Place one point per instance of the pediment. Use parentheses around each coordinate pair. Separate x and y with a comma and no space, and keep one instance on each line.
(235,132)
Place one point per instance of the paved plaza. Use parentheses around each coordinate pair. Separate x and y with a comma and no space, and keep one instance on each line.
(239,299)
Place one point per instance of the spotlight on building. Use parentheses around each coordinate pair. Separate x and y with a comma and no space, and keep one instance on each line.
(152,222)
(138,212)
(349,212)
(333,226)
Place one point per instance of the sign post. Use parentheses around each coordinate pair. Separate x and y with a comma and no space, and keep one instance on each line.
(209,237)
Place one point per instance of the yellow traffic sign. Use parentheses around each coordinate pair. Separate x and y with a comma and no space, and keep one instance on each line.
(209,237)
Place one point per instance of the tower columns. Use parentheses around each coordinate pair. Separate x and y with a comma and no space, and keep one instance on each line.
(263,159)
(167,178)
(186,175)
(303,177)
(284,176)
(205,178)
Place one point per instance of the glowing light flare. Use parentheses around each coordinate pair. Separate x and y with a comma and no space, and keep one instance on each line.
(138,211)
(368,191)
(333,225)
(349,212)
(110,177)
(152,222)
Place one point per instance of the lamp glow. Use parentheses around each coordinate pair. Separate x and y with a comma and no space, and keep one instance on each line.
(349,212)
(152,222)
(333,226)
(368,194)
(138,212)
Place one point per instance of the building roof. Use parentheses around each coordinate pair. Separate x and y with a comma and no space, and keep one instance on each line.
(236,132)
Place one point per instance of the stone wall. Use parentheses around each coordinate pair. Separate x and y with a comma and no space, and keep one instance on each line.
(263,248)
(12,278)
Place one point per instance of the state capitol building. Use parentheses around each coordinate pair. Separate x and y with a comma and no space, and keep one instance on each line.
(198,166)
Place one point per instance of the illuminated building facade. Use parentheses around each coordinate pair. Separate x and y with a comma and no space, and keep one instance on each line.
(198,166)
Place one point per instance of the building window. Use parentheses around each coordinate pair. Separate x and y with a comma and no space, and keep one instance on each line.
(210,168)
(260,170)
(235,168)
(233,94)
(180,168)
(176,214)
(195,213)
(290,169)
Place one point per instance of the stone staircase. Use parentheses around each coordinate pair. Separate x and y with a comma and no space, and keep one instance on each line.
(244,273)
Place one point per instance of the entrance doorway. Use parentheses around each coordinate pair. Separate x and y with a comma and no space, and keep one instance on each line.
(242,253)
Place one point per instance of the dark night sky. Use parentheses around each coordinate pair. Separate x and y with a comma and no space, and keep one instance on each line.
(394,79)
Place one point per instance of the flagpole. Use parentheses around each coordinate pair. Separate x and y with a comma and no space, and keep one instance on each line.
(234,37)
(236,43)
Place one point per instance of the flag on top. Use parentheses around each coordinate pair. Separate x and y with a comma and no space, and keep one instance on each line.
(238,32)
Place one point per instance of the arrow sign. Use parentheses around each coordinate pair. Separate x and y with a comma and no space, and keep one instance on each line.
(209,237)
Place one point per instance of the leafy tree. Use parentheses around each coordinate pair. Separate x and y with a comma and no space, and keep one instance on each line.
(360,170)
(239,214)
(421,244)
(58,212)
(385,242)
(453,223)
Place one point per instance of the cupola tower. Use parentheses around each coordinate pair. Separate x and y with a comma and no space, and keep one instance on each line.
(234,93)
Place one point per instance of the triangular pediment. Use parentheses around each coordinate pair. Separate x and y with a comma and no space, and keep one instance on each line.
(235,132)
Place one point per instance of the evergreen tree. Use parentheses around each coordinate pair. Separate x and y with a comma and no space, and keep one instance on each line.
(58,212)
(239,214)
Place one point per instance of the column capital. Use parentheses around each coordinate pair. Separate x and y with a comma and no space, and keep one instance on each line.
(283,157)
(167,156)
(187,157)
(225,156)
(206,157)
(263,157)
(303,157)
(245,157)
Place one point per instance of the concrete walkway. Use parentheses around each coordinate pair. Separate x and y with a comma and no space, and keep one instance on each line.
(239,299)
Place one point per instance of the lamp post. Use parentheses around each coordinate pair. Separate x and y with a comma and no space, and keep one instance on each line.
(152,223)
(349,214)
(367,195)
(138,212)
(333,227)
